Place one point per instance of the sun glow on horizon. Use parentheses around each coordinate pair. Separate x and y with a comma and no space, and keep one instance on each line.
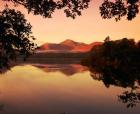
(87,28)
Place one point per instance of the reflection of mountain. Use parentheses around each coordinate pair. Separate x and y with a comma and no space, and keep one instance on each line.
(68,46)
(68,69)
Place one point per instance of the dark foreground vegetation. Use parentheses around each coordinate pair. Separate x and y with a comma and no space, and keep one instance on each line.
(15,37)
(15,31)
(115,54)
(117,63)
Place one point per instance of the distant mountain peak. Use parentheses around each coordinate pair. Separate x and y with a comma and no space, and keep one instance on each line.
(68,45)
(68,41)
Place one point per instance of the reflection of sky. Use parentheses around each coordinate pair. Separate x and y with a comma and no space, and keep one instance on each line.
(29,90)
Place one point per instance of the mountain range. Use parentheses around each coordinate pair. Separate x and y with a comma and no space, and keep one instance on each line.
(67,46)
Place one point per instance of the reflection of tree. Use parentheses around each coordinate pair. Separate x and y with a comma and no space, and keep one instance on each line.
(130,98)
(122,77)
(117,63)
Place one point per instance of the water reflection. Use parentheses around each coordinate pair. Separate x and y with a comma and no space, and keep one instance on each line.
(1,107)
(117,77)
(126,77)
(47,89)
(1,104)
(66,69)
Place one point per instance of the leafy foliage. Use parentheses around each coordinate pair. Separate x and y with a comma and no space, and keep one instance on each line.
(117,63)
(116,53)
(46,8)
(119,8)
(72,8)
(130,98)
(15,36)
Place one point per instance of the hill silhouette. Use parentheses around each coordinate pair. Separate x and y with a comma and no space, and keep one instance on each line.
(68,46)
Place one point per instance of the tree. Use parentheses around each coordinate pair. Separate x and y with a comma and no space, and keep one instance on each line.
(119,8)
(107,39)
(15,36)
(72,8)
(46,8)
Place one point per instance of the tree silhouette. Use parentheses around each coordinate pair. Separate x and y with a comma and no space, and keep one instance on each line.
(46,8)
(131,98)
(72,8)
(117,63)
(124,77)
(15,36)
(119,8)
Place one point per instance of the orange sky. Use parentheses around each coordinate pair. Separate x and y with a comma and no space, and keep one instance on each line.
(87,28)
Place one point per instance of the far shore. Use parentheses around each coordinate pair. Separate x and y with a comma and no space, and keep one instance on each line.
(55,58)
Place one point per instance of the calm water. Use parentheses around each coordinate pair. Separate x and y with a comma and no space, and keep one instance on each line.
(54,89)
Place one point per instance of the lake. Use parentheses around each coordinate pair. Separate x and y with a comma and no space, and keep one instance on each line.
(58,89)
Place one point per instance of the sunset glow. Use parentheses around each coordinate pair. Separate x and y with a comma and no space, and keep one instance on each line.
(69,64)
(87,28)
